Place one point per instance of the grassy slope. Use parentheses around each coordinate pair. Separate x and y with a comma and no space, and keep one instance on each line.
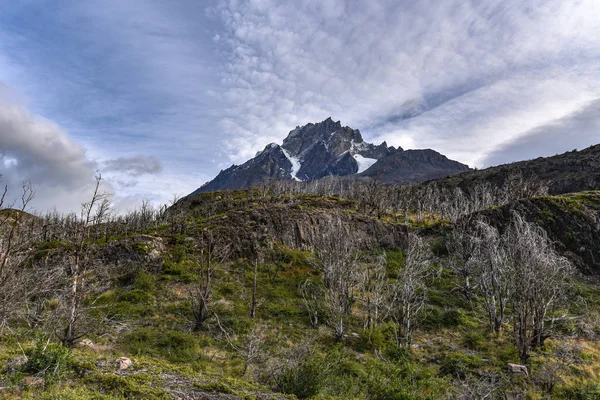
(150,322)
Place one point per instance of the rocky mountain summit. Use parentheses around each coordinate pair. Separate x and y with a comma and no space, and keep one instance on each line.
(314,151)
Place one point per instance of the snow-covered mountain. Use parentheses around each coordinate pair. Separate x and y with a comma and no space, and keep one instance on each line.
(314,151)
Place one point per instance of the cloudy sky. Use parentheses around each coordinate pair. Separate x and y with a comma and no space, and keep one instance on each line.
(161,95)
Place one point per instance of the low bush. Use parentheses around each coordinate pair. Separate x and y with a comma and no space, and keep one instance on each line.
(50,360)
(304,380)
(458,365)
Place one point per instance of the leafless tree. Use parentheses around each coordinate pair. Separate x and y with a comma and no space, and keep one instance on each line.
(461,250)
(311,293)
(13,246)
(491,267)
(254,300)
(489,386)
(210,252)
(373,293)
(409,293)
(250,347)
(541,278)
(337,259)
(93,213)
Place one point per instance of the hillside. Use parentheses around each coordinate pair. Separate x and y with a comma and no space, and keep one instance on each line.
(572,222)
(327,148)
(570,172)
(146,273)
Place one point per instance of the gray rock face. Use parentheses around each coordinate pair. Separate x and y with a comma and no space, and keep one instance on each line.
(269,163)
(314,151)
(328,148)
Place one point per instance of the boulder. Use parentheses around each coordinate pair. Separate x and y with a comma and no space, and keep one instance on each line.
(85,343)
(153,244)
(123,363)
(13,364)
(518,370)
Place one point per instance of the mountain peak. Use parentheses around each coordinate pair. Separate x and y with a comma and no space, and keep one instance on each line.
(337,138)
(316,150)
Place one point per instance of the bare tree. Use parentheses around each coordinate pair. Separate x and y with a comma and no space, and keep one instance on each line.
(461,250)
(492,270)
(253,303)
(489,386)
(373,280)
(12,246)
(210,251)
(409,293)
(337,258)
(541,278)
(312,294)
(93,213)
(250,347)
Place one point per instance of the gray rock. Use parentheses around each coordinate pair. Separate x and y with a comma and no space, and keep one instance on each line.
(13,364)
(123,363)
(518,370)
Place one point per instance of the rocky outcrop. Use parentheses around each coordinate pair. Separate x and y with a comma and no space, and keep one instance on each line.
(571,221)
(517,370)
(14,364)
(123,363)
(294,223)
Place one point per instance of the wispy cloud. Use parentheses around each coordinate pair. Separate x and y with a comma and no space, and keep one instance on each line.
(462,77)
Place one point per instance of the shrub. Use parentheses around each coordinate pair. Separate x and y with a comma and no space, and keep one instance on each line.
(437,318)
(387,381)
(139,386)
(458,364)
(586,391)
(145,282)
(51,360)
(304,380)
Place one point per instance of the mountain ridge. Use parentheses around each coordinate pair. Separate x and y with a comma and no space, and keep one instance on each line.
(569,172)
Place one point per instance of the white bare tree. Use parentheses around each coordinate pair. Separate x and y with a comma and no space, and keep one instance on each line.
(541,281)
(409,293)
(337,259)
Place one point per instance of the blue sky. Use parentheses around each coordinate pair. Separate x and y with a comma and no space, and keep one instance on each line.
(161,95)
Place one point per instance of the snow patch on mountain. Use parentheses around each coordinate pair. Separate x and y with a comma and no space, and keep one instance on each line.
(295,164)
(363,162)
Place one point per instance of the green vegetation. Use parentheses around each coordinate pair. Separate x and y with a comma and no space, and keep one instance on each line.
(140,308)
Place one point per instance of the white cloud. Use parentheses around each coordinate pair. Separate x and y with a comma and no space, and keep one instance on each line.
(39,151)
(62,173)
